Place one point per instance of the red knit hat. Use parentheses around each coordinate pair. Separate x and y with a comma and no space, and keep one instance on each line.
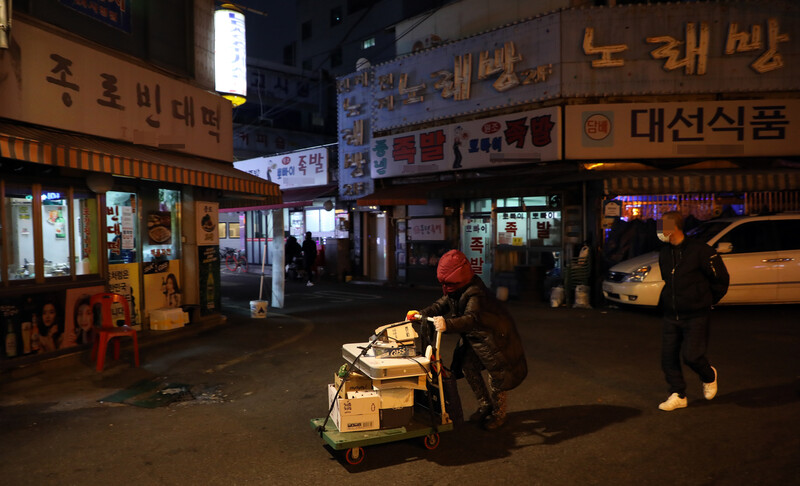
(454,271)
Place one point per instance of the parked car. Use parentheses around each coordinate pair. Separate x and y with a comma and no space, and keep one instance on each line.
(762,254)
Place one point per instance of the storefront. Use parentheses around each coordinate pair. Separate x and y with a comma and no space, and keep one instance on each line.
(535,137)
(95,197)
(310,204)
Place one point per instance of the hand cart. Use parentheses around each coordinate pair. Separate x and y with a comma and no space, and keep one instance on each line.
(425,425)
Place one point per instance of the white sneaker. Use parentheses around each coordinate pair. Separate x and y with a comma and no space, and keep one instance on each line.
(309,284)
(674,401)
(710,389)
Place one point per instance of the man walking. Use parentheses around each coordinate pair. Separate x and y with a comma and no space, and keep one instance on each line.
(309,257)
(695,278)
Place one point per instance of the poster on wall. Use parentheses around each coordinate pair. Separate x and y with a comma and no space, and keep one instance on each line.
(80,317)
(159,228)
(207,219)
(162,285)
(210,295)
(123,279)
(33,324)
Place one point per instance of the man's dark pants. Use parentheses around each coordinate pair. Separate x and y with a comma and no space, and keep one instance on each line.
(686,339)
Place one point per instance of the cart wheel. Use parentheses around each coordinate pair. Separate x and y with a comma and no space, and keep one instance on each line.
(355,455)
(431,441)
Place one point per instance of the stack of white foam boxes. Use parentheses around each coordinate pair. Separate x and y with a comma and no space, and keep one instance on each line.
(364,403)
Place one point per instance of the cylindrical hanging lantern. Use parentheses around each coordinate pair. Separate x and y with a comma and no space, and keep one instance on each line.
(230,54)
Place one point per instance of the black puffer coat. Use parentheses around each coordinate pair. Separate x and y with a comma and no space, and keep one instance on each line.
(695,278)
(486,325)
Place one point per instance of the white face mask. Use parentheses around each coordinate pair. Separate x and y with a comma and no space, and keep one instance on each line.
(661,236)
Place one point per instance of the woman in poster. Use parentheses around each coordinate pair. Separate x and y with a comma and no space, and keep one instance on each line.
(172,292)
(84,322)
(50,328)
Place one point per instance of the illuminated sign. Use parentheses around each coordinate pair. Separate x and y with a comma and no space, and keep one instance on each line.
(230,54)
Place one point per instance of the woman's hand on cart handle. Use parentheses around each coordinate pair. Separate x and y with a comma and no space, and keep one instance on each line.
(413,315)
(439,323)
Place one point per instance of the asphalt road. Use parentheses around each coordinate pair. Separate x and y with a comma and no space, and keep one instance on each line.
(586,414)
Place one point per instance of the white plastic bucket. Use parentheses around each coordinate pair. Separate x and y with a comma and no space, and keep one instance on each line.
(258,309)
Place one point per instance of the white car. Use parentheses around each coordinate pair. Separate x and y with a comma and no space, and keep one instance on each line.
(761,253)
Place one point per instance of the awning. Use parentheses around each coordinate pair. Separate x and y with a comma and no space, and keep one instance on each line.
(61,149)
(292,198)
(699,182)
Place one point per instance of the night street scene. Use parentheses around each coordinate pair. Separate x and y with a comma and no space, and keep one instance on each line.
(551,242)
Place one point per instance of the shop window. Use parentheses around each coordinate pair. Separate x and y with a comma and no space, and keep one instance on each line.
(529,201)
(509,202)
(297,226)
(312,221)
(85,231)
(162,241)
(222,228)
(121,227)
(19,236)
(233,230)
(55,232)
(478,206)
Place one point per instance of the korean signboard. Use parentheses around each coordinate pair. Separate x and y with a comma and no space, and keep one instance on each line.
(536,228)
(525,137)
(304,168)
(686,129)
(67,85)
(426,229)
(354,99)
(656,49)
(504,67)
(116,13)
(476,238)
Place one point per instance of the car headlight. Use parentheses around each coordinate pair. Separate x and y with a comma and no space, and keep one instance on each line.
(639,274)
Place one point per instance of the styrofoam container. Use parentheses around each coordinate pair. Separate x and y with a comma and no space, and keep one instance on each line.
(380,368)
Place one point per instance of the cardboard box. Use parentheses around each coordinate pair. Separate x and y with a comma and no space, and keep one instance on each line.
(355,382)
(359,413)
(413,382)
(396,397)
(396,417)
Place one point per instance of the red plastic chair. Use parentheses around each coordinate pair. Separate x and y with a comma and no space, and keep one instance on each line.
(109,330)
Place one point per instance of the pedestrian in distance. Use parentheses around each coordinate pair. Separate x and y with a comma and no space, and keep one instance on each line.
(489,337)
(309,257)
(695,278)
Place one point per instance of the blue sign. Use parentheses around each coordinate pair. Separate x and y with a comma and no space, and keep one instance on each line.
(115,13)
